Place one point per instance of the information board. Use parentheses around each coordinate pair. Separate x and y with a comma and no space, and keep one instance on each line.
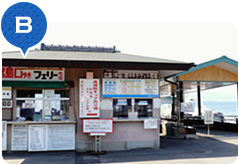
(37,138)
(4,135)
(208,117)
(19,138)
(130,88)
(89,98)
(98,126)
(150,124)
(61,137)
(51,137)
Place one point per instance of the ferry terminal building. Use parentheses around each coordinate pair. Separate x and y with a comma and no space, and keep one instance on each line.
(61,97)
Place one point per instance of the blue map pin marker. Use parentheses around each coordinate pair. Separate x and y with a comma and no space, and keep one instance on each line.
(24,25)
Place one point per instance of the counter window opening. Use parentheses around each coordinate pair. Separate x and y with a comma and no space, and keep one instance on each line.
(42,105)
(133,108)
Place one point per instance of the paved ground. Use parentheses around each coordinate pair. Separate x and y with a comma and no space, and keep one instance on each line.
(220,148)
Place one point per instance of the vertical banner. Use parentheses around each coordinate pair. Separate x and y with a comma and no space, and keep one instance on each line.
(4,135)
(89,98)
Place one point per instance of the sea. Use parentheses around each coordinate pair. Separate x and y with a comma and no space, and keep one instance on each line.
(224,107)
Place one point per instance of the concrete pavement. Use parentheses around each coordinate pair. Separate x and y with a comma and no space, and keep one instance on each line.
(219,148)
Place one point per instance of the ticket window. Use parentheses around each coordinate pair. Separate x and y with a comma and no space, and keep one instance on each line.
(38,105)
(122,107)
(140,108)
(144,107)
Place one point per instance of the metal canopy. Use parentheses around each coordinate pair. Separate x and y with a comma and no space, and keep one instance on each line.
(216,73)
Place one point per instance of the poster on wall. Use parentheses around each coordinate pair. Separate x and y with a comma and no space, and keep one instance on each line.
(51,137)
(150,124)
(89,98)
(61,137)
(37,138)
(130,88)
(32,74)
(4,135)
(98,126)
(19,138)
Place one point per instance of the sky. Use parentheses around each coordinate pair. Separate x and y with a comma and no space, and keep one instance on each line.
(192,40)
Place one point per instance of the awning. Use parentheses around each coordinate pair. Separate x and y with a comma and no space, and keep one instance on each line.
(34,84)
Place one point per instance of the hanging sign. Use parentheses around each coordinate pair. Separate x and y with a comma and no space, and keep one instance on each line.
(130,88)
(32,74)
(89,98)
(4,135)
(97,125)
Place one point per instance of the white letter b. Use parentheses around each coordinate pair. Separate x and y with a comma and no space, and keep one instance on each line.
(19,24)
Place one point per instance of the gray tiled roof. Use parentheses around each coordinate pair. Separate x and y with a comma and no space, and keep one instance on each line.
(85,56)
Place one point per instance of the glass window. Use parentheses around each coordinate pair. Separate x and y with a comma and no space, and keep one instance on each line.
(37,105)
(144,107)
(122,107)
(132,108)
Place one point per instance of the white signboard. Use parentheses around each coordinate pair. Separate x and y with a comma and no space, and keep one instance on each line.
(51,137)
(19,138)
(6,103)
(32,74)
(6,92)
(89,98)
(129,74)
(61,137)
(208,117)
(4,135)
(150,124)
(97,125)
(130,88)
(37,138)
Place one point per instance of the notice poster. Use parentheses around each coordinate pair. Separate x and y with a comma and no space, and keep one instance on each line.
(37,138)
(150,124)
(89,98)
(61,137)
(19,138)
(130,88)
(208,117)
(4,135)
(97,125)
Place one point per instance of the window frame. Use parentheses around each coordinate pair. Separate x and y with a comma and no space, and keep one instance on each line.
(43,98)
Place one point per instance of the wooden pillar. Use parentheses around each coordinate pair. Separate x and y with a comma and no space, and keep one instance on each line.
(199,98)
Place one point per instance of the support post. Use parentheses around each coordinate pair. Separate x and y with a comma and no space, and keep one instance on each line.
(199,98)
(173,105)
